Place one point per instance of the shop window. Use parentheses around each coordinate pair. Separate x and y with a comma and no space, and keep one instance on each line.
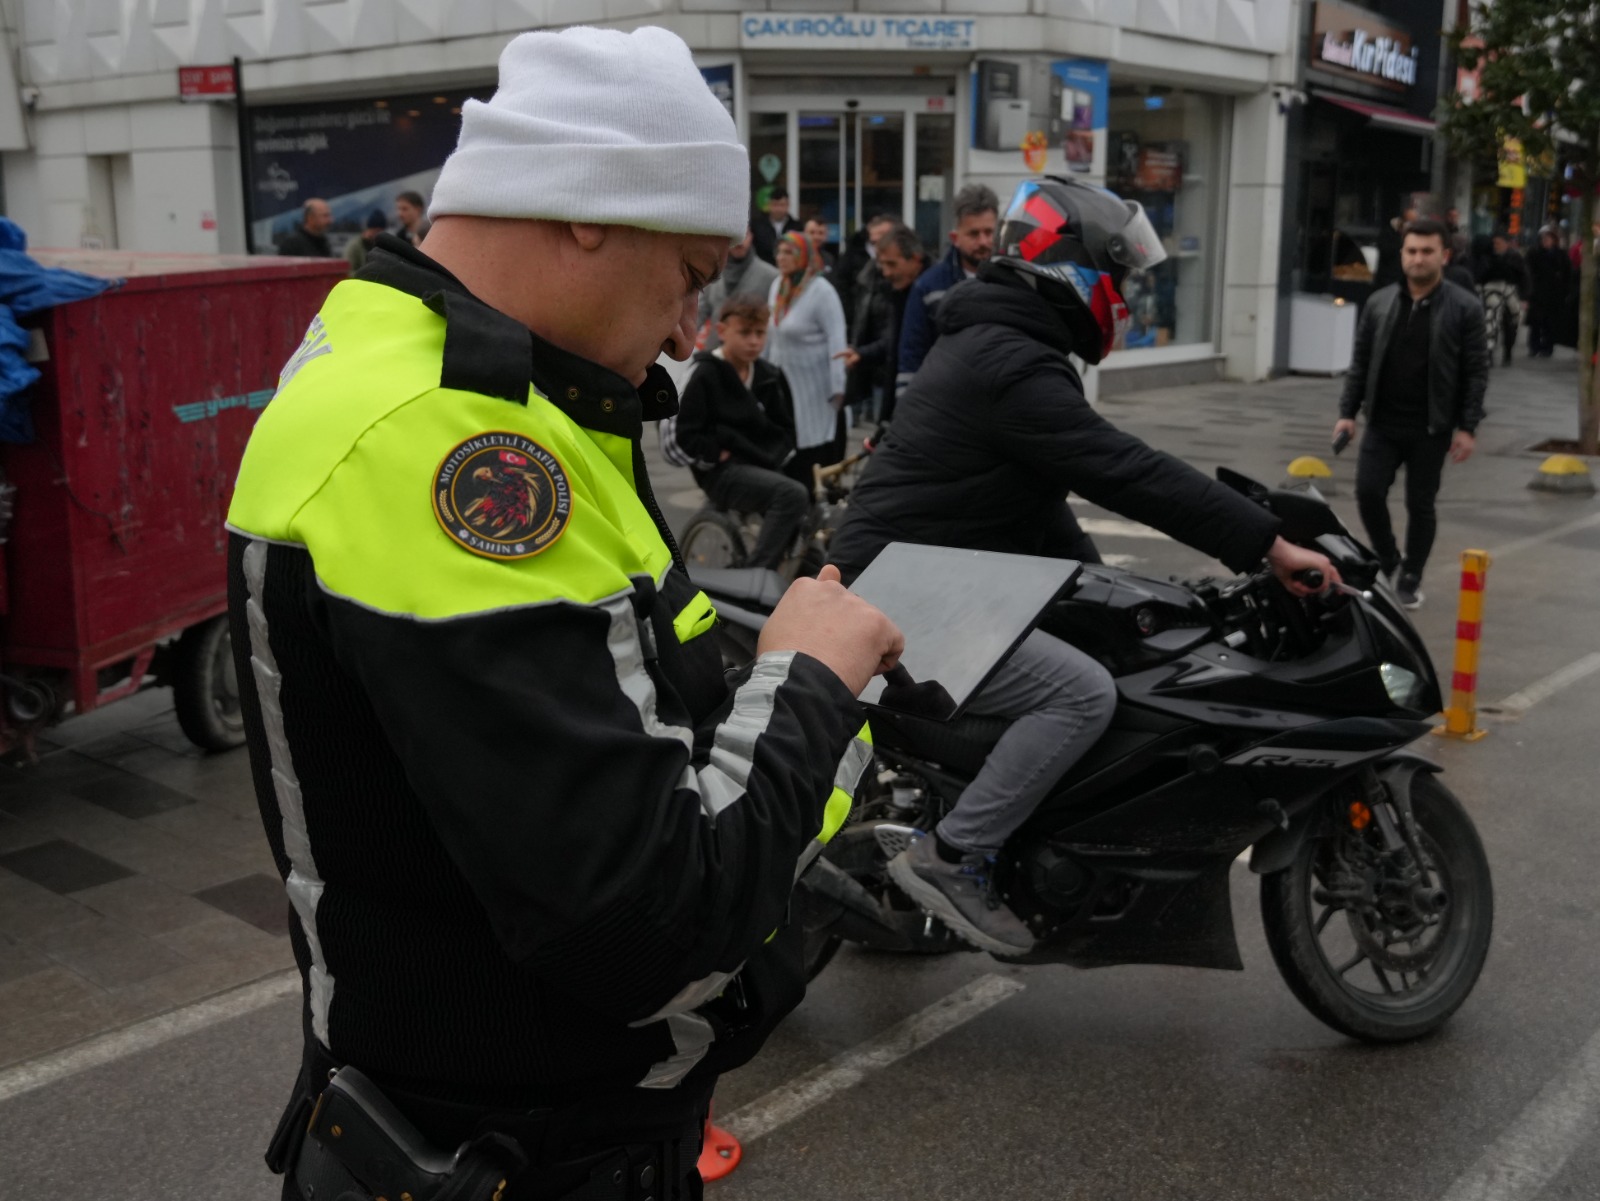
(1165,151)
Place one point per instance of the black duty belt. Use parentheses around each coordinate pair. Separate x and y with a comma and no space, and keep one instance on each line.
(343,1137)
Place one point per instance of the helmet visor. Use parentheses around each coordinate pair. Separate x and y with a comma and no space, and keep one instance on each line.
(1136,245)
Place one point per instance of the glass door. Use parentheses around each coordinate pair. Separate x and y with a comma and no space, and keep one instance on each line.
(841,165)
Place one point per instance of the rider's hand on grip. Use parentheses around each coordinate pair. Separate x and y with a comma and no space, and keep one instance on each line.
(822,619)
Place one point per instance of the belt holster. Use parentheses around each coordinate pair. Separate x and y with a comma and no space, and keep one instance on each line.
(509,1155)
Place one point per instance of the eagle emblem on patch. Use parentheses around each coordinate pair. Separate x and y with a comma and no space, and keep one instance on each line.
(502,496)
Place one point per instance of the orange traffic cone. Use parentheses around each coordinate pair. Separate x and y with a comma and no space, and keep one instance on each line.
(719,1154)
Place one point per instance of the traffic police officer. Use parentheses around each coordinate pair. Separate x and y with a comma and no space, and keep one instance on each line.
(538,849)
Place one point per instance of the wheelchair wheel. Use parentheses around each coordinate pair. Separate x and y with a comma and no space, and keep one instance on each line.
(713,538)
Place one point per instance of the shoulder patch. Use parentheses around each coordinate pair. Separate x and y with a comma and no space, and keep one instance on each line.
(502,496)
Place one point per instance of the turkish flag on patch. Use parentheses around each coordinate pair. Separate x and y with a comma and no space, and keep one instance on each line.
(513,458)
(1048,232)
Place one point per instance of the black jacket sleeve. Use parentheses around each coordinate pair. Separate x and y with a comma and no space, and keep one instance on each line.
(1474,369)
(1355,380)
(620,857)
(1046,423)
(697,418)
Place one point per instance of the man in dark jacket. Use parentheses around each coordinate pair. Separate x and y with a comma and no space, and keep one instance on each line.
(874,353)
(737,422)
(971,244)
(1550,274)
(858,255)
(309,240)
(1420,368)
(771,225)
(987,442)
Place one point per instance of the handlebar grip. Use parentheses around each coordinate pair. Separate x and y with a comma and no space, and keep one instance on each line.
(1311,577)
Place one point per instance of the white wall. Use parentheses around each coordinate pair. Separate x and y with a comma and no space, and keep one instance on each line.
(143,176)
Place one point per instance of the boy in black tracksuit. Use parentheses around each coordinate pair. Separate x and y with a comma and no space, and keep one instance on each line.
(736,419)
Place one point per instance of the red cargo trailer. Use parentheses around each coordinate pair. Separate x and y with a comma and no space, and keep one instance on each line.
(113,576)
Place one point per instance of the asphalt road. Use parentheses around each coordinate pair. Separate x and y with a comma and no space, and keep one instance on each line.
(1154,1083)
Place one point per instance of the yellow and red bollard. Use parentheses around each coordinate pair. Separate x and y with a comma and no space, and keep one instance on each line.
(1461,716)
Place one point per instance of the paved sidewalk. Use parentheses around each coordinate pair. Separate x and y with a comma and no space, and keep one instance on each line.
(134,877)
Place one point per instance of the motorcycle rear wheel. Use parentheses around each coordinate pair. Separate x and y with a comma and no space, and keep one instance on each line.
(1412,991)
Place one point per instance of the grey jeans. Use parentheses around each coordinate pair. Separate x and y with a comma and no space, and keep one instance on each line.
(1062,701)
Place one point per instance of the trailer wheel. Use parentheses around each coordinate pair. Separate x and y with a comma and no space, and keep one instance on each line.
(205,687)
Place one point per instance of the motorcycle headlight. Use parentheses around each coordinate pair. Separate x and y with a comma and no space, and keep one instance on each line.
(1404,687)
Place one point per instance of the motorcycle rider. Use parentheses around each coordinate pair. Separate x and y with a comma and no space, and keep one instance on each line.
(987,442)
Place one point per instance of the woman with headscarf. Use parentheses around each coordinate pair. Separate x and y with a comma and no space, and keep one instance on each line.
(807,342)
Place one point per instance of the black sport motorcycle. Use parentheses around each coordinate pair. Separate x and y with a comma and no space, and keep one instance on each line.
(1247,719)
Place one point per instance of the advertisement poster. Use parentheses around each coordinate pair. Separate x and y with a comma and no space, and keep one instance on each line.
(720,80)
(1085,88)
(358,155)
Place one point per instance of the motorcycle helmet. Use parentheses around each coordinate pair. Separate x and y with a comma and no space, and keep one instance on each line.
(1076,243)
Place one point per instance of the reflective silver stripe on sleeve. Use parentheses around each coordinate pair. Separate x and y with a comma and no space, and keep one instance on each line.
(852,763)
(304,884)
(691,1035)
(692,996)
(733,748)
(627,654)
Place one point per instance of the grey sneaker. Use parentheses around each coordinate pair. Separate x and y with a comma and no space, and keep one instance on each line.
(962,896)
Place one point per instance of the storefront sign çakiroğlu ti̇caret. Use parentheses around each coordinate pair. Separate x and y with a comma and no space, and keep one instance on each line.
(855,31)
(1357,44)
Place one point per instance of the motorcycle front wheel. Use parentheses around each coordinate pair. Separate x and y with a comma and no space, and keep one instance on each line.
(1377,947)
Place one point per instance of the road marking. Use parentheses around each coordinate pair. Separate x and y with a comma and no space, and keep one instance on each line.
(787,1102)
(152,1032)
(1541,690)
(1107,527)
(1111,560)
(1550,535)
(1533,1149)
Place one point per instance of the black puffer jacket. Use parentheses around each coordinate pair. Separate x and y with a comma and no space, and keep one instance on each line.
(995,431)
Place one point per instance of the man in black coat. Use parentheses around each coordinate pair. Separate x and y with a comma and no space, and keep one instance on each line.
(309,239)
(1419,369)
(1550,273)
(736,421)
(860,249)
(987,442)
(874,353)
(769,226)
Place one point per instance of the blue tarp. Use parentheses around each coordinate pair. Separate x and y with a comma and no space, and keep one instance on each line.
(25,288)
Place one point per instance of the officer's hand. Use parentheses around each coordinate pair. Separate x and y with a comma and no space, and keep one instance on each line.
(821,619)
(1344,426)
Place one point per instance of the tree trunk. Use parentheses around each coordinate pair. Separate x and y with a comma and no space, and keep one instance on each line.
(1588,377)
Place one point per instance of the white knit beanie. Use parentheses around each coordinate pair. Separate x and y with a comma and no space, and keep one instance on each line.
(603,126)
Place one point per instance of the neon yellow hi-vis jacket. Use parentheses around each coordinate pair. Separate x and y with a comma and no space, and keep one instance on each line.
(532,839)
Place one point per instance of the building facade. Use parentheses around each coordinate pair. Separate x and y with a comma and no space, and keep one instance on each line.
(880,105)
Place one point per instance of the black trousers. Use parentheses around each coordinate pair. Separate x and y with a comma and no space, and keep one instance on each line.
(780,499)
(1542,328)
(1383,453)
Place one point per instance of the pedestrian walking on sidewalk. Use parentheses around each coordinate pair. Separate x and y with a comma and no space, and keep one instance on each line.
(1419,371)
(1550,272)
(538,850)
